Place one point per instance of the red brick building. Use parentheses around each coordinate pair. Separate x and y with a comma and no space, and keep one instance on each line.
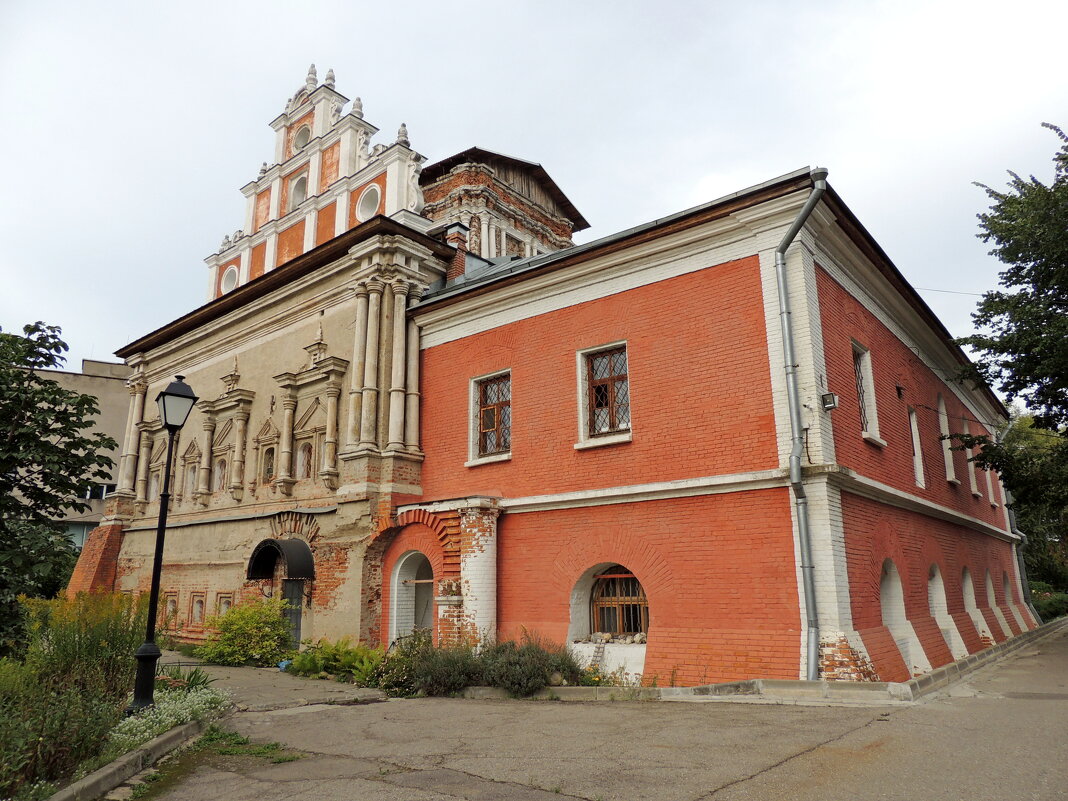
(706,448)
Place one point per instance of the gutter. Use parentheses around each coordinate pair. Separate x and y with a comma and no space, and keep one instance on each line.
(797,430)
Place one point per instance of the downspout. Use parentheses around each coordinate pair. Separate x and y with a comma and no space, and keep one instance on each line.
(797,432)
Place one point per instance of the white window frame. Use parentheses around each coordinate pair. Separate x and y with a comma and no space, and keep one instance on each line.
(585,439)
(947,445)
(473,457)
(973,485)
(870,420)
(236,273)
(917,450)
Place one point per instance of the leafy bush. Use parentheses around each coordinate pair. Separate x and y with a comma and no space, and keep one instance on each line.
(1049,605)
(397,672)
(172,677)
(255,633)
(446,671)
(171,708)
(58,703)
(342,660)
(525,667)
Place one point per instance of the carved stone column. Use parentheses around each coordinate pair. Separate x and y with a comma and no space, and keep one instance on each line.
(128,462)
(411,414)
(328,473)
(359,355)
(285,480)
(369,412)
(204,484)
(142,463)
(397,364)
(237,471)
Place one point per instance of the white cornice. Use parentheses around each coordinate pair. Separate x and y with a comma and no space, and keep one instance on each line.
(837,254)
(850,481)
(657,259)
(658,490)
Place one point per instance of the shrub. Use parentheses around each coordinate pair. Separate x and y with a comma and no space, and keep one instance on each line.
(525,667)
(255,633)
(58,703)
(446,671)
(342,660)
(397,671)
(172,677)
(1050,605)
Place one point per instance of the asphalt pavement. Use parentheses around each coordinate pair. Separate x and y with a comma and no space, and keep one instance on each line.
(1000,733)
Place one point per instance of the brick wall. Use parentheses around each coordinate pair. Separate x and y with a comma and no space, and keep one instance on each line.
(895,364)
(700,390)
(716,612)
(875,532)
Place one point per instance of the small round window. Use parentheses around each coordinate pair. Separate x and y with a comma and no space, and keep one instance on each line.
(302,138)
(367,207)
(229,279)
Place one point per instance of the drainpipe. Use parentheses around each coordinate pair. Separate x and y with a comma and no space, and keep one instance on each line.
(797,431)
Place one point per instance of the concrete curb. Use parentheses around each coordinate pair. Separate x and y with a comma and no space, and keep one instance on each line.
(789,690)
(869,692)
(115,773)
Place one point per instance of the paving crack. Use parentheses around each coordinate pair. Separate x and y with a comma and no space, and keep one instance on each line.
(881,718)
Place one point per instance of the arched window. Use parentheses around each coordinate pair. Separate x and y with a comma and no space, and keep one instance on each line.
(299,193)
(220,475)
(304,461)
(618,604)
(302,138)
(268,466)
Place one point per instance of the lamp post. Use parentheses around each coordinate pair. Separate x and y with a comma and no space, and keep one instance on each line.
(175,403)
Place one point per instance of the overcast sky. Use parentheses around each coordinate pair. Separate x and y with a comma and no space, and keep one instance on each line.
(128,128)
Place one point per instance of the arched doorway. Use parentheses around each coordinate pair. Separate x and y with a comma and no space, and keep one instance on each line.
(411,595)
(292,562)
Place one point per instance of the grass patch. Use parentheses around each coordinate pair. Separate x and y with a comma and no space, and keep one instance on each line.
(218,747)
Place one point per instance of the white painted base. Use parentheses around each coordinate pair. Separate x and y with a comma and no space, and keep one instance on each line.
(616,655)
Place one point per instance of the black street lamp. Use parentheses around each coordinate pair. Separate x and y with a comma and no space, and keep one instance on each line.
(175,403)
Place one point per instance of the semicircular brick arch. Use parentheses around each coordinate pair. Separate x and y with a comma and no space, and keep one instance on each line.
(443,528)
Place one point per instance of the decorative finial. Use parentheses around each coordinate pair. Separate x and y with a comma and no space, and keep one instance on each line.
(330,78)
(402,135)
(335,112)
(237,235)
(263,169)
(312,80)
(225,243)
(357,107)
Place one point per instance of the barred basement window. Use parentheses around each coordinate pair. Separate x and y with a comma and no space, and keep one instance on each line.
(495,415)
(608,391)
(618,604)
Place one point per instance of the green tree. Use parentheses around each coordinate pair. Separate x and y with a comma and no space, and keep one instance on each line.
(48,460)
(1022,339)
(1033,463)
(1021,347)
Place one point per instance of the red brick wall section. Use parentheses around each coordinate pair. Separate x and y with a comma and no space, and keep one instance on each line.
(716,613)
(324,224)
(98,561)
(331,570)
(700,390)
(894,364)
(875,532)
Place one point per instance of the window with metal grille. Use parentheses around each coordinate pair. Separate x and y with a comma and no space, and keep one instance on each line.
(609,391)
(858,371)
(495,415)
(618,604)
